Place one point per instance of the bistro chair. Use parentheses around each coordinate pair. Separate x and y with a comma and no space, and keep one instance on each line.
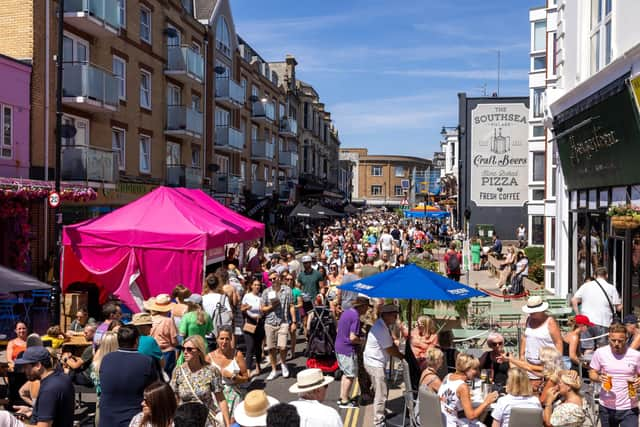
(430,412)
(525,417)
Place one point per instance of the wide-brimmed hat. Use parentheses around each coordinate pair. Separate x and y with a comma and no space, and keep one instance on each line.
(161,303)
(309,379)
(535,304)
(252,411)
(141,319)
(361,301)
(194,299)
(389,308)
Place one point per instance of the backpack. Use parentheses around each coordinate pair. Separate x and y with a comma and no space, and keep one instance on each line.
(221,315)
(453,263)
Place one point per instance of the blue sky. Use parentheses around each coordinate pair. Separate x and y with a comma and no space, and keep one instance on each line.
(390,70)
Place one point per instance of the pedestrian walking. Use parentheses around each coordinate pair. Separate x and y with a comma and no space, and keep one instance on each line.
(453,262)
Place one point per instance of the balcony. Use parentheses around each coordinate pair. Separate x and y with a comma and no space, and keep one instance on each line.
(183,176)
(99,18)
(229,93)
(227,184)
(288,127)
(259,188)
(183,121)
(288,159)
(263,111)
(89,88)
(88,164)
(228,138)
(262,150)
(184,64)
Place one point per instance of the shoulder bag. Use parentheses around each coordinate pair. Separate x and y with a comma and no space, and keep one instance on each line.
(615,318)
(212,417)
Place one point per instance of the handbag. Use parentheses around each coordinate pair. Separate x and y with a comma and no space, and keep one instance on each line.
(615,317)
(249,327)
(213,417)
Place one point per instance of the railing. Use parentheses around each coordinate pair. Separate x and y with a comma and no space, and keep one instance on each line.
(88,81)
(85,163)
(288,158)
(227,184)
(102,10)
(185,59)
(264,109)
(181,118)
(227,88)
(259,188)
(227,136)
(183,176)
(289,125)
(262,149)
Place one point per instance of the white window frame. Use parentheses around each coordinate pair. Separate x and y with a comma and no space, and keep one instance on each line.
(537,155)
(144,139)
(122,13)
(196,161)
(121,150)
(78,41)
(174,91)
(598,51)
(537,109)
(148,25)
(3,142)
(142,89)
(396,169)
(543,22)
(196,102)
(375,168)
(396,192)
(376,187)
(76,120)
(533,62)
(173,153)
(223,46)
(223,164)
(177,38)
(122,79)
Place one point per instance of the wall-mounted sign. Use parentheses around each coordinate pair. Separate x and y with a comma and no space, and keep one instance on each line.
(499,155)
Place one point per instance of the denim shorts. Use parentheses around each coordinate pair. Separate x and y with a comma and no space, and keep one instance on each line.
(348,364)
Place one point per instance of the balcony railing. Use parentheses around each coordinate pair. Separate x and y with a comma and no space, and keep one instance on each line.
(93,16)
(183,176)
(289,126)
(230,138)
(227,184)
(90,85)
(229,93)
(184,61)
(288,159)
(181,119)
(88,164)
(263,110)
(262,150)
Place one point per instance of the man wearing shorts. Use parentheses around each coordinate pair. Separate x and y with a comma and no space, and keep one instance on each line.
(278,307)
(347,340)
(310,283)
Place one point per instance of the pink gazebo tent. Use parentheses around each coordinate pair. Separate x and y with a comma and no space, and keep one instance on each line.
(152,244)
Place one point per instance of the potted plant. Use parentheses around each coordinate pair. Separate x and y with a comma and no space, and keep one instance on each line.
(625,216)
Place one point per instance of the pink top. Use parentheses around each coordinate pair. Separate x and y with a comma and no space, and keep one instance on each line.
(421,343)
(620,367)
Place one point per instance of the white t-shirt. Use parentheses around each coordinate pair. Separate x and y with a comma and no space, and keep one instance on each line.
(211,300)
(502,411)
(315,414)
(8,420)
(522,231)
(254,302)
(594,303)
(378,340)
(386,242)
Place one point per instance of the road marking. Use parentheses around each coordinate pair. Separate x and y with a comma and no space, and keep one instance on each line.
(352,413)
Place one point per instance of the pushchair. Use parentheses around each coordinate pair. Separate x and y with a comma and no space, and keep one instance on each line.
(321,341)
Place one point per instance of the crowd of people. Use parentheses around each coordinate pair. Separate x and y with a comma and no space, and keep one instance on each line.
(190,358)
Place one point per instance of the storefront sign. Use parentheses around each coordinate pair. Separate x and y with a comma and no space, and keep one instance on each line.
(599,146)
(499,155)
(635,89)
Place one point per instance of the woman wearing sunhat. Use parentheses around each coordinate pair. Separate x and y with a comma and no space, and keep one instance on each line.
(252,411)
(311,387)
(163,330)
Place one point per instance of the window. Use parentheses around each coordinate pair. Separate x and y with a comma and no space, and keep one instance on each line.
(195,156)
(174,95)
(145,25)
(81,137)
(399,171)
(306,115)
(553,239)
(222,117)
(118,146)
(537,194)
(537,230)
(145,89)
(222,37)
(600,34)
(243,171)
(174,151)
(398,191)
(376,190)
(538,131)
(75,49)
(195,102)
(254,171)
(255,92)
(145,154)
(243,83)
(223,164)
(539,35)
(122,13)
(120,73)
(6,147)
(539,63)
(538,166)
(376,170)
(537,102)
(173,36)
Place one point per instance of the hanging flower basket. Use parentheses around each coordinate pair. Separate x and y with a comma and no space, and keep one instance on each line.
(625,217)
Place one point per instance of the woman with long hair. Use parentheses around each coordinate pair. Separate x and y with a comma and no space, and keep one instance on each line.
(196,380)
(231,365)
(180,293)
(195,322)
(254,326)
(423,337)
(570,412)
(158,407)
(108,344)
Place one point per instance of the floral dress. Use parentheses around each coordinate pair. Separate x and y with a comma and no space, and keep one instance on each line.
(567,415)
(204,382)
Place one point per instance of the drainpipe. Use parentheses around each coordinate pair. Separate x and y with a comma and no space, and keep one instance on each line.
(205,102)
(47,55)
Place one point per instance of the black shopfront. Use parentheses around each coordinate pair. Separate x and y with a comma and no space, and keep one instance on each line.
(598,143)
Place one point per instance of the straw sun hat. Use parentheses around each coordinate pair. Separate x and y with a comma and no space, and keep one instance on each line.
(252,411)
(161,303)
(309,379)
(535,304)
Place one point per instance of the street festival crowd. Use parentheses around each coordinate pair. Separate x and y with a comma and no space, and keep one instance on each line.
(189,359)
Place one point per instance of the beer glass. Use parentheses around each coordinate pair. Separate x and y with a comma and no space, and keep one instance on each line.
(607,384)
(631,388)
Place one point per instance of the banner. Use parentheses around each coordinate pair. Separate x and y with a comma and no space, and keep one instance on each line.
(499,155)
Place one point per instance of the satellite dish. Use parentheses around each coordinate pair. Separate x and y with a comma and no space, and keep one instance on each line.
(68,131)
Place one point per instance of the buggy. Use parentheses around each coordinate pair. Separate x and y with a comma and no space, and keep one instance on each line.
(321,340)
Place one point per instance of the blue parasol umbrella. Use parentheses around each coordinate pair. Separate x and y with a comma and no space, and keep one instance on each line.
(412,282)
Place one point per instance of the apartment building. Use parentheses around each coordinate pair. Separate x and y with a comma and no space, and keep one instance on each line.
(597,63)
(383,180)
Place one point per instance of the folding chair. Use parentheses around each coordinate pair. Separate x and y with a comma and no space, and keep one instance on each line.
(525,417)
(430,412)
(410,397)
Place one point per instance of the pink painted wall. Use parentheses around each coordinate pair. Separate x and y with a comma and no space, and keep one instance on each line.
(15,81)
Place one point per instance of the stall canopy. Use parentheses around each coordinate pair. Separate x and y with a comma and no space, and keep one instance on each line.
(14,281)
(322,210)
(301,211)
(152,244)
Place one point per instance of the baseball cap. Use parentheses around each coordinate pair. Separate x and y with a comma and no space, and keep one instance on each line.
(630,318)
(306,258)
(194,299)
(581,319)
(33,355)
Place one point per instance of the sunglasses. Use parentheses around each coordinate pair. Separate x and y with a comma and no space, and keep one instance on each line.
(190,349)
(496,344)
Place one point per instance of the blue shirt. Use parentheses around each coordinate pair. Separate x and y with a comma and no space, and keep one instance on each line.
(149,346)
(55,400)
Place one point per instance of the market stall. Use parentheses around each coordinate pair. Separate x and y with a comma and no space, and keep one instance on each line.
(152,244)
